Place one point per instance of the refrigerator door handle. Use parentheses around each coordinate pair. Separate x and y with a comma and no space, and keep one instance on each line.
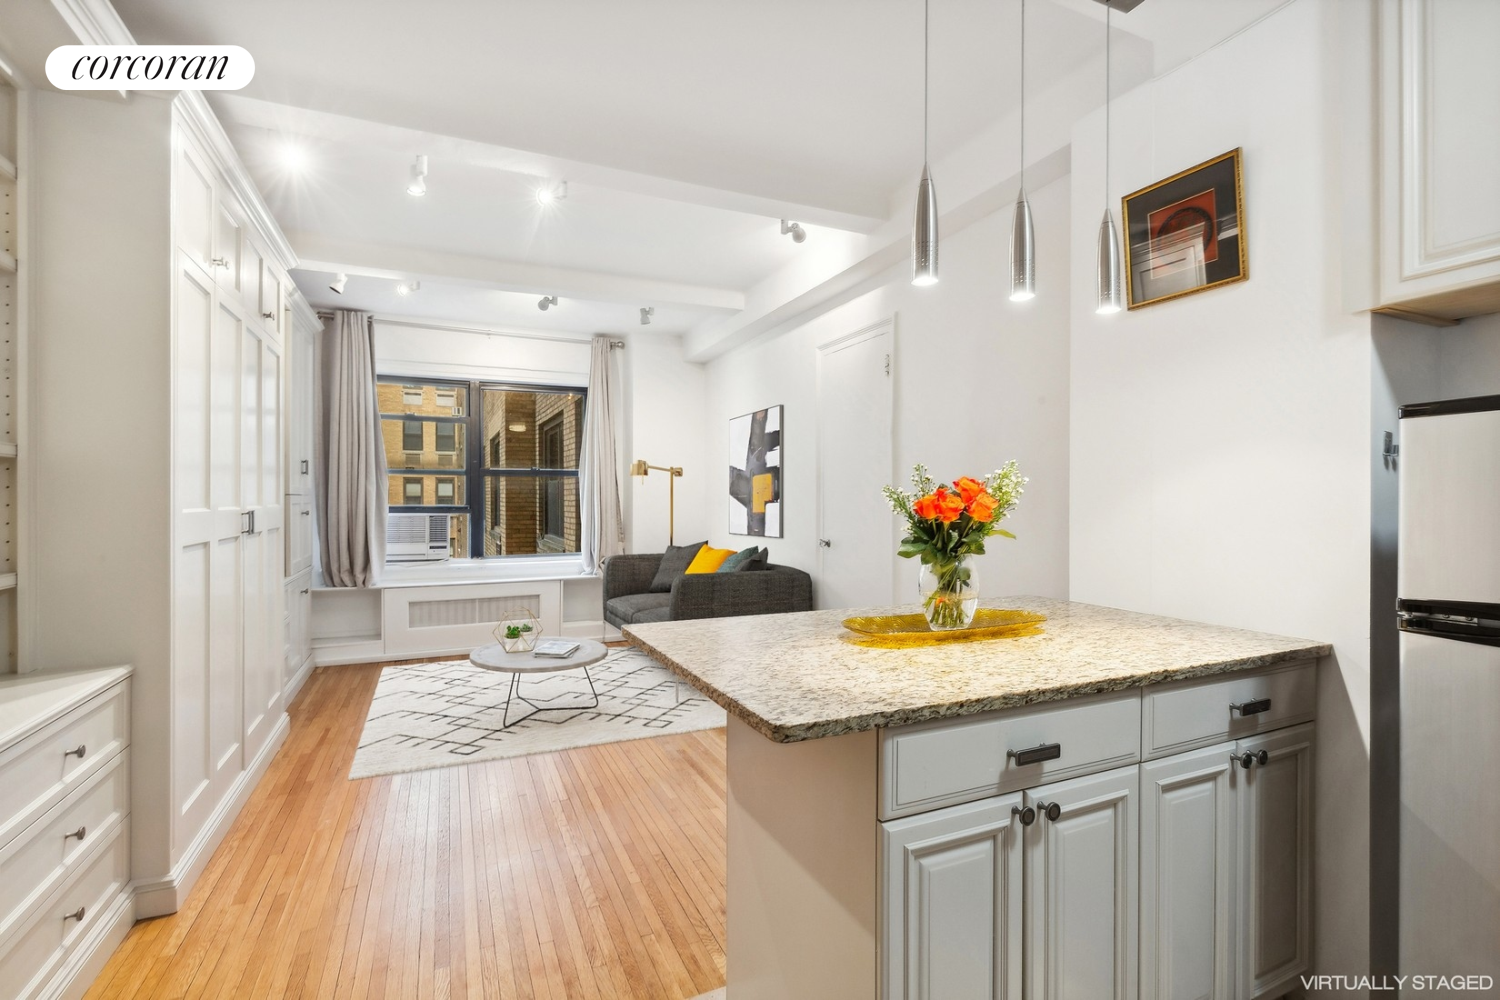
(1484,634)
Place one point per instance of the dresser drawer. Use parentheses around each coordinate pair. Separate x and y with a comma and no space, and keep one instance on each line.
(35,863)
(39,771)
(942,763)
(30,958)
(1192,714)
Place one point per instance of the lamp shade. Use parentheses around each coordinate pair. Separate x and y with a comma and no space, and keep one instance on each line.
(1108,266)
(1022,252)
(924,234)
(638,467)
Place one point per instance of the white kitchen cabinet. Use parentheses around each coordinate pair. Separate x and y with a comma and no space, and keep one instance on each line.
(1080,899)
(1189,868)
(229,243)
(1275,861)
(952,894)
(1440,139)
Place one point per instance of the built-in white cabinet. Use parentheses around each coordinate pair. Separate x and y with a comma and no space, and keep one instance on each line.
(302,329)
(1439,142)
(1186,876)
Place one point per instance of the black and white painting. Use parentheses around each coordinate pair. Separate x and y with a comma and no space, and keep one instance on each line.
(755,473)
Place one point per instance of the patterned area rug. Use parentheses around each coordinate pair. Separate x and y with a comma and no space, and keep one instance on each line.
(428,715)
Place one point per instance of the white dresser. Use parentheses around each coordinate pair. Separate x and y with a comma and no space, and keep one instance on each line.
(65,899)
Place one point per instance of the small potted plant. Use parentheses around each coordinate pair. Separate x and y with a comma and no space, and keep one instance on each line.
(519,635)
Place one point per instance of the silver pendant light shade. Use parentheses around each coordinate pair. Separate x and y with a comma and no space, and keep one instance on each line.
(1022,252)
(1108,266)
(924,234)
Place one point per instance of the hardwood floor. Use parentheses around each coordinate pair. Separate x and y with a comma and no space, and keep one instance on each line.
(594,872)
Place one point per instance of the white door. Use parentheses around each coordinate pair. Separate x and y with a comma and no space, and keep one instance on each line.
(1275,868)
(261,501)
(856,530)
(952,903)
(208,579)
(1081,888)
(1188,871)
(1450,509)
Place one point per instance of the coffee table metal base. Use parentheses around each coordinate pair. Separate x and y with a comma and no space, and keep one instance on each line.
(513,693)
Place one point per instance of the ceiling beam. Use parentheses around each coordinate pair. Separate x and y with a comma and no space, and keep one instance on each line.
(318,252)
(286,120)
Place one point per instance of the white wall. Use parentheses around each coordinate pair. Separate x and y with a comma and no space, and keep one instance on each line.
(1221,442)
(979,380)
(664,425)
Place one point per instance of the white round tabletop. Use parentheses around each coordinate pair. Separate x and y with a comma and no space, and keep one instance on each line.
(494,657)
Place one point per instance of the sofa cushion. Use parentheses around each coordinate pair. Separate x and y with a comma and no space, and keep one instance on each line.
(709,559)
(674,563)
(654,615)
(738,560)
(760,560)
(629,608)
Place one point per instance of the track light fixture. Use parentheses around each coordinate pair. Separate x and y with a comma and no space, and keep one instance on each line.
(407,287)
(794,230)
(417,186)
(337,284)
(548,301)
(924,233)
(549,193)
(646,313)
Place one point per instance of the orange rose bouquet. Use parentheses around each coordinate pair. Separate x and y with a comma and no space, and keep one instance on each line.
(947,524)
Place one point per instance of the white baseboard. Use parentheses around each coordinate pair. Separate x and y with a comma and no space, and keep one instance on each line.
(158,897)
(298,679)
(328,653)
(87,961)
(583,629)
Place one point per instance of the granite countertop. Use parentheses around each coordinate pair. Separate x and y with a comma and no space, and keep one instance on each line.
(795,677)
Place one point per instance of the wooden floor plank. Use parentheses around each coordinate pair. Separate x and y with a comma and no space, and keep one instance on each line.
(594,872)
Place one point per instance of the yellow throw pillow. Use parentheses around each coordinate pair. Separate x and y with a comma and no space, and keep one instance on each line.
(708,560)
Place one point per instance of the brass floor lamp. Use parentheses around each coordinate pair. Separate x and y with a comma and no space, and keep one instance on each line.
(640,468)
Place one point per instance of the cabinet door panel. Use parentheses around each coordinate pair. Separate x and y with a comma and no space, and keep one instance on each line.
(193,207)
(1275,869)
(228,245)
(1081,889)
(1188,861)
(952,890)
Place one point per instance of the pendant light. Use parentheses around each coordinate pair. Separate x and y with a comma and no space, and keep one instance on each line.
(1108,269)
(924,236)
(1022,235)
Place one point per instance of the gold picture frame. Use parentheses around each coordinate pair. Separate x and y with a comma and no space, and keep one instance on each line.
(1179,239)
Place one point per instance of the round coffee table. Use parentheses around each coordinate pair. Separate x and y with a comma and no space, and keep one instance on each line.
(494,657)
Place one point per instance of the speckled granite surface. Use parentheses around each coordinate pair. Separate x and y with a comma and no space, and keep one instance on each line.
(795,677)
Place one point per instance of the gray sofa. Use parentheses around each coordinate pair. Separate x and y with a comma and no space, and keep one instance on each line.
(628,599)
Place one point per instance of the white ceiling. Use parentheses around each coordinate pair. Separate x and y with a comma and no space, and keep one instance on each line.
(685,129)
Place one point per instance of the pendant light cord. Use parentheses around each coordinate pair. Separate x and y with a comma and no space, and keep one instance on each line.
(1023,95)
(1107,33)
(926,46)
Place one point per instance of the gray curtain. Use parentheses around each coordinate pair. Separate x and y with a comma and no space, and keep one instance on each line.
(603,526)
(349,454)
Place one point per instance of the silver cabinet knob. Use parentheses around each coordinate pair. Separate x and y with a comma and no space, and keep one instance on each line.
(825,543)
(1027,815)
(80,833)
(75,915)
(79,752)
(1051,810)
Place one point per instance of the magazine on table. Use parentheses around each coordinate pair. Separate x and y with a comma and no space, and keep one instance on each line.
(557,648)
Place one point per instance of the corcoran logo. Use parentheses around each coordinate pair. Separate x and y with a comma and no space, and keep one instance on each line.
(150,67)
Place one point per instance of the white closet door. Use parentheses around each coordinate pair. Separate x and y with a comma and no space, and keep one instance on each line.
(260,499)
(206,689)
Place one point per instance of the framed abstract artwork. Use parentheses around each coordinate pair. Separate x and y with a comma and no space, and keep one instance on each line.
(1186,233)
(755,473)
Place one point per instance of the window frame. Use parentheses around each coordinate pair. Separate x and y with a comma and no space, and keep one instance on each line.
(476,454)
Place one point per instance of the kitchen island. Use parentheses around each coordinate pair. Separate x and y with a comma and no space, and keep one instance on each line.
(1116,804)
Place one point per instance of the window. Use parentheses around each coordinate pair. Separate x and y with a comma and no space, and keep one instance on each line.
(504,469)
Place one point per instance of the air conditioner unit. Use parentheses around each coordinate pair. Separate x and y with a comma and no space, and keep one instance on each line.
(416,537)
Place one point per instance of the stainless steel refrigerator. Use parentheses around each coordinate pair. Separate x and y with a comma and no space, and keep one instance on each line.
(1449,617)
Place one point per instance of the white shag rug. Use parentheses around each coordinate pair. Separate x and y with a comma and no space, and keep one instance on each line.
(427,715)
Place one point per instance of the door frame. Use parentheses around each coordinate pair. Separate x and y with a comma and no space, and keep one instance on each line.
(826,349)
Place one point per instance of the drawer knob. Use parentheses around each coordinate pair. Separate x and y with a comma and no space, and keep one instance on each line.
(76,753)
(75,915)
(1255,707)
(267,315)
(1036,754)
(80,833)
(1027,815)
(1051,810)
(1249,757)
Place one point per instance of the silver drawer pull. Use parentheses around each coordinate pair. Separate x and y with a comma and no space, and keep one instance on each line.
(75,915)
(1255,707)
(76,753)
(1247,758)
(1035,755)
(80,833)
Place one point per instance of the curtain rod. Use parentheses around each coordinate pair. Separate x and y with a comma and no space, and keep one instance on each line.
(448,328)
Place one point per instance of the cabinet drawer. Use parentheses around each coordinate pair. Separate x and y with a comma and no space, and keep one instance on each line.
(1178,717)
(36,773)
(35,863)
(32,957)
(945,762)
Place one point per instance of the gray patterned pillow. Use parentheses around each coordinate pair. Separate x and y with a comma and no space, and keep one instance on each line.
(674,563)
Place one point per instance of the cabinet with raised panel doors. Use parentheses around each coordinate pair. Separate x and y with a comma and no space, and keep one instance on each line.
(1063,873)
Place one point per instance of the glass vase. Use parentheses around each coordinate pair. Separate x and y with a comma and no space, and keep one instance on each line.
(950,593)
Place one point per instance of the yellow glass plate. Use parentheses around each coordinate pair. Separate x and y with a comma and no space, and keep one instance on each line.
(902,631)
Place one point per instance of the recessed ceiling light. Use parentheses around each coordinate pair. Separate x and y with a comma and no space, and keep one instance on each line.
(293,157)
(338,283)
(407,287)
(549,193)
(417,186)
